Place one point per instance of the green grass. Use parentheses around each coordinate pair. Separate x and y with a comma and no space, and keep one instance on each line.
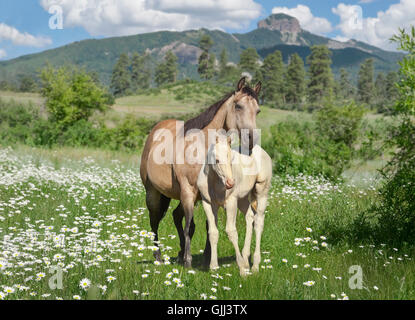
(43,191)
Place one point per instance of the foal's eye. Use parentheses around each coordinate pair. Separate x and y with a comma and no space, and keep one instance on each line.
(238,107)
(217,161)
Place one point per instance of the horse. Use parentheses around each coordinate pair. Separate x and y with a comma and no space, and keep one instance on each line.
(233,180)
(176,179)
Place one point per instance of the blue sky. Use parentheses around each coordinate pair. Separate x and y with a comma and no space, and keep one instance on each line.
(24,24)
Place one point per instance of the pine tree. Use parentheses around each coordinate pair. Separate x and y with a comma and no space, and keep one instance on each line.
(223,62)
(346,87)
(166,71)
(391,91)
(121,79)
(366,86)
(273,81)
(295,79)
(140,72)
(320,75)
(206,66)
(249,61)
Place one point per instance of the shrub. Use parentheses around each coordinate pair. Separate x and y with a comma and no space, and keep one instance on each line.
(396,211)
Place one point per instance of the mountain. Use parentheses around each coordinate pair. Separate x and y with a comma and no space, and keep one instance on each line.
(277,32)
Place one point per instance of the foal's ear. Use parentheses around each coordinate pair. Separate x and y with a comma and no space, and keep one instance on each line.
(241,83)
(229,140)
(258,88)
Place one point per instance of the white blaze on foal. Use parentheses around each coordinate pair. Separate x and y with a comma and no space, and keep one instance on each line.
(233,180)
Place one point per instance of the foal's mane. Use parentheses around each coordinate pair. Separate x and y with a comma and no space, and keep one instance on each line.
(201,121)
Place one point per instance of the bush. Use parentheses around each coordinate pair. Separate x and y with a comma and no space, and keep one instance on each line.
(325,147)
(396,211)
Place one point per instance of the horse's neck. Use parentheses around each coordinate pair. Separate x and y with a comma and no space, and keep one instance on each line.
(219,121)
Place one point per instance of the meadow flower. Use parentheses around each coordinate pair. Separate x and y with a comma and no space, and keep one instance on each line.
(309,283)
(111,279)
(284,260)
(167,283)
(76,297)
(85,284)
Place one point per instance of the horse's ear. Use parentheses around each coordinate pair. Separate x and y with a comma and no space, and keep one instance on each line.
(241,83)
(217,139)
(258,88)
(229,140)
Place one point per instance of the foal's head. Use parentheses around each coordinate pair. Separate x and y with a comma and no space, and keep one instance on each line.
(221,160)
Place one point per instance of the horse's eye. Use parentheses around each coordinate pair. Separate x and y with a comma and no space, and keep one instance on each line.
(238,107)
(217,161)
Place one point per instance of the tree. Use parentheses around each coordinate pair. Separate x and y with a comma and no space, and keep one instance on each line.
(391,89)
(295,79)
(320,75)
(223,63)
(396,211)
(206,66)
(140,72)
(249,61)
(365,83)
(27,84)
(71,95)
(380,87)
(166,71)
(273,78)
(347,90)
(121,78)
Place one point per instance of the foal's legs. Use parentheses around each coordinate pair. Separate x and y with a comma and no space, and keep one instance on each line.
(245,207)
(259,227)
(213,233)
(157,205)
(231,212)
(178,215)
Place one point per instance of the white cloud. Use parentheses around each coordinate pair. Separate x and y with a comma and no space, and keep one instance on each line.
(127,17)
(3,53)
(375,30)
(307,20)
(22,39)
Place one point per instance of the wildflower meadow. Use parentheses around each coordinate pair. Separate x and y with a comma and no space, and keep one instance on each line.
(77,229)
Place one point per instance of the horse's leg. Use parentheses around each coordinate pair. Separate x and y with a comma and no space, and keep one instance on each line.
(259,227)
(231,212)
(188,198)
(178,215)
(213,233)
(245,207)
(157,205)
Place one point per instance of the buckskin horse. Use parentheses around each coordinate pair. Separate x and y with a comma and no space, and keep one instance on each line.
(166,180)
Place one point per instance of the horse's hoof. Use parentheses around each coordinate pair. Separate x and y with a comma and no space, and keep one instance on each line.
(157,256)
(255,269)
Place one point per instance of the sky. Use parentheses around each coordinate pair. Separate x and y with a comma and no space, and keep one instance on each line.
(30,26)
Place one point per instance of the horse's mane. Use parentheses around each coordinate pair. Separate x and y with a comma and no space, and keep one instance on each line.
(201,121)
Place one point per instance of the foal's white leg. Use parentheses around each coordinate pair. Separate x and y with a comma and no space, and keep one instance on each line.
(259,227)
(245,207)
(211,213)
(231,212)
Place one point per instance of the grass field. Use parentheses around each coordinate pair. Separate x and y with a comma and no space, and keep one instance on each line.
(85,212)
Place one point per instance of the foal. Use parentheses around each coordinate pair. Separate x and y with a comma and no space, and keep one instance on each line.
(233,180)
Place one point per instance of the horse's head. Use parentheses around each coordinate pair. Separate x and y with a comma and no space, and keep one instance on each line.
(244,109)
(221,160)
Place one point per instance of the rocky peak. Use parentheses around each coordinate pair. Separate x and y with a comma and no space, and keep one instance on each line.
(281,22)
